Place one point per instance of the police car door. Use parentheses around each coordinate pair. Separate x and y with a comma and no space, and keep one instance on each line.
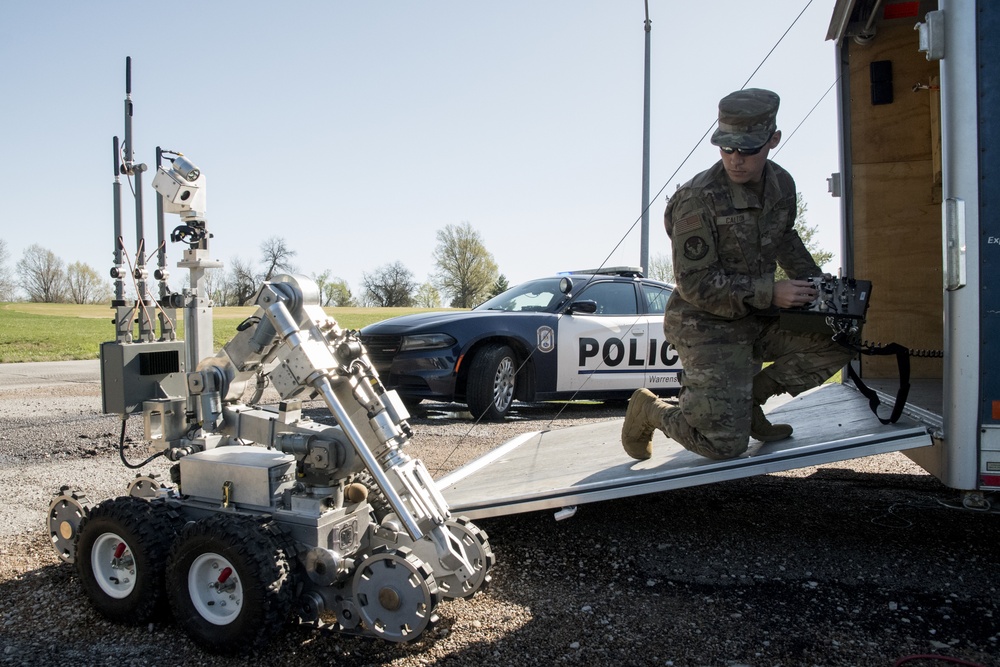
(606,349)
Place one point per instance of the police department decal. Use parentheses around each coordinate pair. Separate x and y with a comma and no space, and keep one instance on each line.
(695,248)
(546,339)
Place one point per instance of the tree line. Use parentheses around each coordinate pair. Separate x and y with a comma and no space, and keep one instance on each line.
(43,277)
(465,275)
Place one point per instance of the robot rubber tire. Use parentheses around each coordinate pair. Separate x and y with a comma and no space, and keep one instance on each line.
(121,558)
(230,582)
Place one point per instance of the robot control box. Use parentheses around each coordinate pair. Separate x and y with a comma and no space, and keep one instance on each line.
(840,306)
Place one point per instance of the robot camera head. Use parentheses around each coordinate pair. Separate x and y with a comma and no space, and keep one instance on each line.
(182,187)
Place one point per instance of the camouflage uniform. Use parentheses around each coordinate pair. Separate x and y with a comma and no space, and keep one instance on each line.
(727,240)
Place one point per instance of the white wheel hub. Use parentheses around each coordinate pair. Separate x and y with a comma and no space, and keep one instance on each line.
(114,565)
(215,589)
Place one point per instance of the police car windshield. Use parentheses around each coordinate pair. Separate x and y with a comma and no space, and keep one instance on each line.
(534,296)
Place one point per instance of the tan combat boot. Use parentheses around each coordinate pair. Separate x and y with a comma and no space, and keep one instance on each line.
(644,415)
(760,428)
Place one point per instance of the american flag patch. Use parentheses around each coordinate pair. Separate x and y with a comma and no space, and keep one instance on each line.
(688,224)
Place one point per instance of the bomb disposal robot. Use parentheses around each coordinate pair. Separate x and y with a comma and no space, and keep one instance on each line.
(271,516)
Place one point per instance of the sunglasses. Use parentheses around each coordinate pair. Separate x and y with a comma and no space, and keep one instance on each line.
(729,150)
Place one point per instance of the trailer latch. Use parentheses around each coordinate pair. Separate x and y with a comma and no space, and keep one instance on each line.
(931,39)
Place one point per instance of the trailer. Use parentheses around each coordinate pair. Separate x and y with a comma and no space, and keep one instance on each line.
(916,89)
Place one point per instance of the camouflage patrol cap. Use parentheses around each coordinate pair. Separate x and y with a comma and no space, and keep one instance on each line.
(747,118)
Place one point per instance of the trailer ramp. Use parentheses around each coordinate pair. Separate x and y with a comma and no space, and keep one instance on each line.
(562,468)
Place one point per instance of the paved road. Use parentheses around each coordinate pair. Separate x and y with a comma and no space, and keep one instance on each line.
(46,373)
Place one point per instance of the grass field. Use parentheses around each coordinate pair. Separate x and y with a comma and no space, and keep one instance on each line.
(60,331)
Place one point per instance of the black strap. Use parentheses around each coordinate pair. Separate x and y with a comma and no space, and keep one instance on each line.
(902,360)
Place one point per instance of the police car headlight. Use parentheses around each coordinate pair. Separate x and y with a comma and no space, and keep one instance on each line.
(426,342)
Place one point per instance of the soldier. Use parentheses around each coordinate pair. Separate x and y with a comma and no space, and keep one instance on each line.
(730,226)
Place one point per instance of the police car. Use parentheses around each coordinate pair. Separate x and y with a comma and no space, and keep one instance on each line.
(580,335)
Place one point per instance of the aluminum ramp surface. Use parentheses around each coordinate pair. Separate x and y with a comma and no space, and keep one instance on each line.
(566,467)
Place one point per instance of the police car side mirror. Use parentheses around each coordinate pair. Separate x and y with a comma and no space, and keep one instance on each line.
(585,307)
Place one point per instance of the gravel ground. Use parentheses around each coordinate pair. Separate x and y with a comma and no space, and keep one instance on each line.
(855,563)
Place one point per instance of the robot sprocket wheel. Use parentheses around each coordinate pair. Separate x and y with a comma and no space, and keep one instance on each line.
(67,511)
(396,594)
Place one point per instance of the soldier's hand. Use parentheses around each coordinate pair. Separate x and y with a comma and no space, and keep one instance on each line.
(792,293)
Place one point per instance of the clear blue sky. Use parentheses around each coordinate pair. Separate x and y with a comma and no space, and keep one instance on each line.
(356,130)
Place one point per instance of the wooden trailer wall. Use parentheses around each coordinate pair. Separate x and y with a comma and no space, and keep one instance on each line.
(893,189)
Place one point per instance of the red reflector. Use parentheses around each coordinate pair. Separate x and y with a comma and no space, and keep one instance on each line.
(989,480)
(901,10)
(996,409)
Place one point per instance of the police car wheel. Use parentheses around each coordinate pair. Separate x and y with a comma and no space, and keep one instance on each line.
(492,381)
